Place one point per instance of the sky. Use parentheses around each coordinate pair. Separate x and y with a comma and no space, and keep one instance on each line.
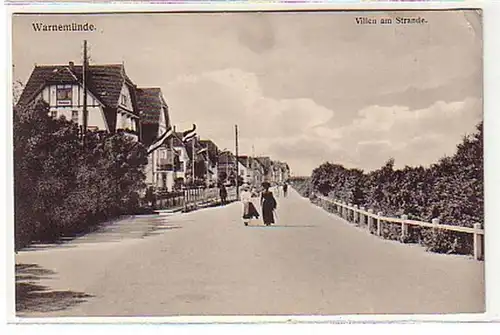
(303,88)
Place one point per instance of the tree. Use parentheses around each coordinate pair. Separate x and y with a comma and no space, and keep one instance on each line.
(63,186)
(451,190)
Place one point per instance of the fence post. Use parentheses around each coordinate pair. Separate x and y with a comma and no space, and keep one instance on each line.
(370,220)
(362,216)
(350,212)
(435,223)
(344,210)
(356,214)
(404,228)
(184,200)
(379,224)
(478,243)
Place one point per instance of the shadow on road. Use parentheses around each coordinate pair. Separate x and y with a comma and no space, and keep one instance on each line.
(283,226)
(155,230)
(33,297)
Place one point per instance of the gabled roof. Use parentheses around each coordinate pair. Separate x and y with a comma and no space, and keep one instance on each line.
(226,157)
(105,82)
(213,150)
(177,139)
(150,102)
(264,161)
(245,161)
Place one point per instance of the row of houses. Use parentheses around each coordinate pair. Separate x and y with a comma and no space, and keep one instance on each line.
(116,104)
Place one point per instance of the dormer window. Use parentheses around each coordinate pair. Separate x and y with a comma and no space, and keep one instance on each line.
(64,94)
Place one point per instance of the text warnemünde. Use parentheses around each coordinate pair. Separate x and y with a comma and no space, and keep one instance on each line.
(38,26)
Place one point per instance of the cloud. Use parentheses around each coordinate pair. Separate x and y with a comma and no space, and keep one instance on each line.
(303,87)
(218,100)
(412,137)
(300,130)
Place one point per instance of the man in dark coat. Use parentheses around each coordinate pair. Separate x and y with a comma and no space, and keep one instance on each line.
(223,194)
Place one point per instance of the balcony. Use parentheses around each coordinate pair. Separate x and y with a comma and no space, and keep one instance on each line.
(163,164)
(129,133)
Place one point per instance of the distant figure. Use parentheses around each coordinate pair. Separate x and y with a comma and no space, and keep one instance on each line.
(223,194)
(285,189)
(268,203)
(151,197)
(249,210)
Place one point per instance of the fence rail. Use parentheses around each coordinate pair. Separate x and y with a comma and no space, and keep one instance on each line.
(362,215)
(192,198)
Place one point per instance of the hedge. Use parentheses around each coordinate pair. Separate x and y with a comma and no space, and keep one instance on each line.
(65,186)
(451,190)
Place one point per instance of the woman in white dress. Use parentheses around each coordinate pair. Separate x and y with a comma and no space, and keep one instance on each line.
(249,210)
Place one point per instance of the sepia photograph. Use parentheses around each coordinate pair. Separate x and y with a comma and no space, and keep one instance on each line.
(248,163)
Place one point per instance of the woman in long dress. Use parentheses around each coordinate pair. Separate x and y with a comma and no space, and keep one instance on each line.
(268,203)
(249,210)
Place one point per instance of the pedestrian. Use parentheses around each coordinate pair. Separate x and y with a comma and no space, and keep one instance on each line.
(268,203)
(249,210)
(223,194)
(285,189)
(151,197)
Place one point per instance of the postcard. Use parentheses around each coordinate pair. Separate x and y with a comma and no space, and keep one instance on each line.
(248,164)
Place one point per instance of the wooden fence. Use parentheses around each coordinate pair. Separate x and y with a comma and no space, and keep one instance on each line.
(375,221)
(192,198)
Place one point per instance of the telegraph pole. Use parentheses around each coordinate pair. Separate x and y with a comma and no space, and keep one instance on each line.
(194,159)
(237,165)
(174,170)
(84,79)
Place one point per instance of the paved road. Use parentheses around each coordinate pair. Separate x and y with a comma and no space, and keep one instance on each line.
(208,263)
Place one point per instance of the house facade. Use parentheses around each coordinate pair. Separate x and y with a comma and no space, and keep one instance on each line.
(114,104)
(211,157)
(111,95)
(154,121)
(181,160)
(226,170)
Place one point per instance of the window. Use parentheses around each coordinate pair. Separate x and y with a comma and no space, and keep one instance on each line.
(64,94)
(53,114)
(124,99)
(123,124)
(74,116)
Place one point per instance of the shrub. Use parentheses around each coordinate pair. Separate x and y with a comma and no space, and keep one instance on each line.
(451,190)
(63,186)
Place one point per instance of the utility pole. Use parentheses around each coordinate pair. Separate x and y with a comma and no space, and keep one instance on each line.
(207,165)
(84,79)
(237,165)
(254,179)
(194,159)
(174,170)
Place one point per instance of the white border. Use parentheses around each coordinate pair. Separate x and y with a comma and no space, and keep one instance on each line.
(491,27)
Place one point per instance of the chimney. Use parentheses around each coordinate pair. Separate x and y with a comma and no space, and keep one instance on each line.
(71,66)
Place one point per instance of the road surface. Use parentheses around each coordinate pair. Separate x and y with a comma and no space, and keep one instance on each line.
(208,263)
